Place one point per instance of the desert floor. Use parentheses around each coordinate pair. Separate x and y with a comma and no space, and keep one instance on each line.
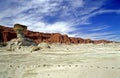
(63,61)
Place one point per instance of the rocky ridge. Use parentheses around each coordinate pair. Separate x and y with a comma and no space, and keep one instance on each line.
(7,33)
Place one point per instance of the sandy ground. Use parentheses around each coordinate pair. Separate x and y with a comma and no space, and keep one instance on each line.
(63,61)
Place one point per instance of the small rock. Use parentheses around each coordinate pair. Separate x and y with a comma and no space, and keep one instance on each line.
(43,45)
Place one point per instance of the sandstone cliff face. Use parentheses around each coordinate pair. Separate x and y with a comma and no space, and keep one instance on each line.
(6,34)
(101,41)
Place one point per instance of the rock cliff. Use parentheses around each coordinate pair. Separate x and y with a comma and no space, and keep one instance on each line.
(7,33)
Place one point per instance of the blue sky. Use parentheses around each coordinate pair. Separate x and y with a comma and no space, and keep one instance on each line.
(94,19)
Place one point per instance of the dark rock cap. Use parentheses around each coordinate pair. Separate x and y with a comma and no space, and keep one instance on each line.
(20,27)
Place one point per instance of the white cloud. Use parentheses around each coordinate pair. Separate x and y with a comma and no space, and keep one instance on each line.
(86,17)
(71,14)
(99,28)
(58,27)
(99,35)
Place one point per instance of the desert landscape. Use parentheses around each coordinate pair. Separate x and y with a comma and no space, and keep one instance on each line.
(59,38)
(66,61)
(22,57)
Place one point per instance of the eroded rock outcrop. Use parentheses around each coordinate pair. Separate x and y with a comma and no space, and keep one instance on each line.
(101,41)
(21,41)
(6,34)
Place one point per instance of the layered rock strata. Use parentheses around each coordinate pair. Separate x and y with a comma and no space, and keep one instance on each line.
(6,34)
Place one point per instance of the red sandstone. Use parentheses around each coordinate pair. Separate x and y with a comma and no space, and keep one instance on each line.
(7,33)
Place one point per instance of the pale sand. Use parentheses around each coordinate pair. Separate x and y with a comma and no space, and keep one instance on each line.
(63,61)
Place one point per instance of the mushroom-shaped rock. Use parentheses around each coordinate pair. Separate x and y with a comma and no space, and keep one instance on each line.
(20,29)
(20,41)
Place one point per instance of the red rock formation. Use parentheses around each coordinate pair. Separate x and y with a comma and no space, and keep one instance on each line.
(66,39)
(58,38)
(101,41)
(7,33)
(88,41)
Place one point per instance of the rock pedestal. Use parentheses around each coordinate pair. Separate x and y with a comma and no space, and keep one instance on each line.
(20,29)
(20,41)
